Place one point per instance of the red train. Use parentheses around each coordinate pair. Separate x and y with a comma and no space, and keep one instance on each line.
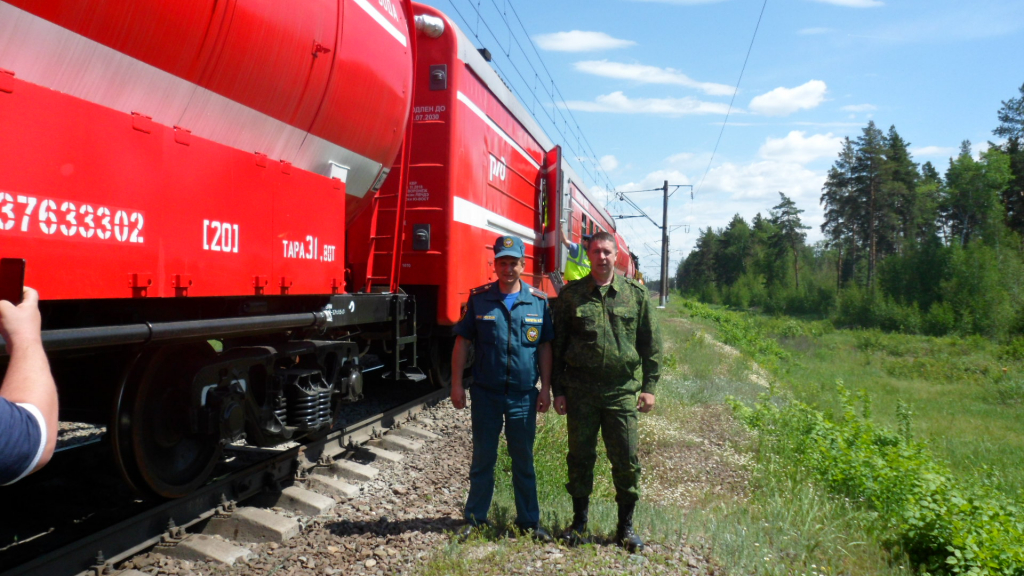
(208,195)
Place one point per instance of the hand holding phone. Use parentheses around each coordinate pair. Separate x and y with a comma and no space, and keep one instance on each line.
(12,279)
(20,325)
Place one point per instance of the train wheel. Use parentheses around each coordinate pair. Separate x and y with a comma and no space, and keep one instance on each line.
(155,447)
(441,361)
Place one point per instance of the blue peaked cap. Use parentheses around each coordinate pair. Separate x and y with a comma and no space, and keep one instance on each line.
(509,246)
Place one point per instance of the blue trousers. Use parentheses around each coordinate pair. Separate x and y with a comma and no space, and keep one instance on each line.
(517,413)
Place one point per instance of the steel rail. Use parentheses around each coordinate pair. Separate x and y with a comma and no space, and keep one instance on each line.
(97,553)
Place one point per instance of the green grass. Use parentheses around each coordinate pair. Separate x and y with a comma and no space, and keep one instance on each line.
(773,520)
(964,405)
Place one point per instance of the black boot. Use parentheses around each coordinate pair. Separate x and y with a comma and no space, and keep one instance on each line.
(575,534)
(625,535)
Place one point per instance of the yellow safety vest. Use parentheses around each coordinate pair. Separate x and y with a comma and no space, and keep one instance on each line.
(579,267)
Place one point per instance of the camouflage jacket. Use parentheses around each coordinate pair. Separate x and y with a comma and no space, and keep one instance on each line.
(604,342)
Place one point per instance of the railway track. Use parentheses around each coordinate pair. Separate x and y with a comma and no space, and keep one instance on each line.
(167,523)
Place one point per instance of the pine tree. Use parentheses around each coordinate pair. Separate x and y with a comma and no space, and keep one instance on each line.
(698,271)
(1011,126)
(762,258)
(899,185)
(1011,118)
(789,235)
(926,205)
(843,213)
(867,181)
(735,247)
(1013,195)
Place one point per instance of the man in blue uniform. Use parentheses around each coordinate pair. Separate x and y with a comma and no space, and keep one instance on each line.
(510,326)
(28,396)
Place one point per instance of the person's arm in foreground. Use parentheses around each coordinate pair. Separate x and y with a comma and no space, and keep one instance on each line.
(28,379)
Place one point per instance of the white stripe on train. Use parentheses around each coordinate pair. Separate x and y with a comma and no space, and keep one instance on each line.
(477,216)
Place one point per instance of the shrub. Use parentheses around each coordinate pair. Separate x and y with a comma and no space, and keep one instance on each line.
(922,511)
(977,291)
(940,319)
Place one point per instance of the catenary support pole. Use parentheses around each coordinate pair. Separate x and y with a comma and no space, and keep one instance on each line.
(663,290)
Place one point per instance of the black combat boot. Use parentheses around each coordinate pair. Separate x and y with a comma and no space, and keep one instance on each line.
(625,535)
(575,534)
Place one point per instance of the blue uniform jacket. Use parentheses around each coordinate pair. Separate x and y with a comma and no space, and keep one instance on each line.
(505,341)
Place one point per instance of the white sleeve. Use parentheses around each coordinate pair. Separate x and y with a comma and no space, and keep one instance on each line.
(42,440)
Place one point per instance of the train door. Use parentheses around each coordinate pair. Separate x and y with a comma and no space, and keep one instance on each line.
(550,213)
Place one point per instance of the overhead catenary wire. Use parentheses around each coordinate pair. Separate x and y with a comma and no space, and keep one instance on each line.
(582,153)
(733,99)
(565,105)
(519,63)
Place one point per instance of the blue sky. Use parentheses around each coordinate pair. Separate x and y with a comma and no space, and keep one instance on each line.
(648,84)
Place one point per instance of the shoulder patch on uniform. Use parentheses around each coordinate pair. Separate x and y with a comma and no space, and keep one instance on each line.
(633,282)
(575,285)
(539,293)
(480,289)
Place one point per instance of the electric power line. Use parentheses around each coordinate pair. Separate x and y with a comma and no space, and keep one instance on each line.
(733,99)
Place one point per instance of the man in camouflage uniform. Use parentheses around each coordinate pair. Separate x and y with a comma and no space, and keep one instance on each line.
(607,348)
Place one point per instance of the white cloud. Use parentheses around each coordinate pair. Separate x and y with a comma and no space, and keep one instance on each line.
(608,163)
(580,41)
(860,108)
(680,158)
(854,3)
(784,101)
(730,188)
(655,180)
(814,31)
(799,148)
(763,181)
(946,151)
(650,75)
(617,102)
(829,124)
(979,148)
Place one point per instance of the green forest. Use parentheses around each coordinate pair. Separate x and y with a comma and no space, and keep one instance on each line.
(907,247)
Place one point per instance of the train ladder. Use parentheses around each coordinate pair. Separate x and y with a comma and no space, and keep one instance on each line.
(387,221)
(386,231)
(387,227)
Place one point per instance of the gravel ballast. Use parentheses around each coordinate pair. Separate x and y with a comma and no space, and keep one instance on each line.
(404,519)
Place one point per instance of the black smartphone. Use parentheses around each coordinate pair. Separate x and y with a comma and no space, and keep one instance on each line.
(12,279)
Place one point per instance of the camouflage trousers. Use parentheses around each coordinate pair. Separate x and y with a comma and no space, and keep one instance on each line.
(614,414)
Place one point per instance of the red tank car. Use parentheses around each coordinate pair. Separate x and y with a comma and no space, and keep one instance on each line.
(176,175)
(196,146)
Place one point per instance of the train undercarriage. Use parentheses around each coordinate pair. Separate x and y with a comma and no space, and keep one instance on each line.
(174,394)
